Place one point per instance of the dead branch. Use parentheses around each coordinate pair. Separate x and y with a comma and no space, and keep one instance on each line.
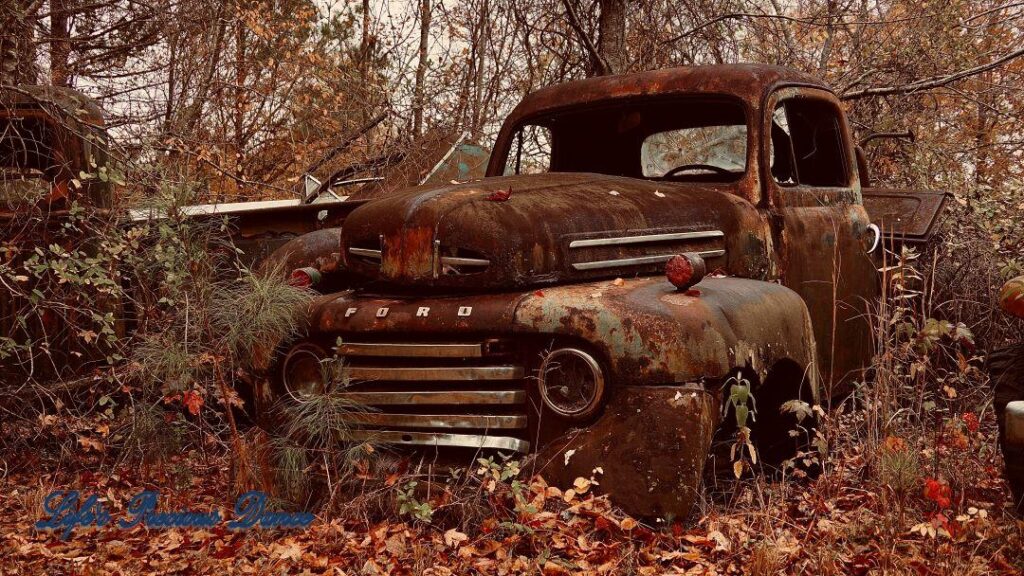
(931,83)
(599,62)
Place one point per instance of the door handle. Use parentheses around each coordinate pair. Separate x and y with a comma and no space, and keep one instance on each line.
(877,239)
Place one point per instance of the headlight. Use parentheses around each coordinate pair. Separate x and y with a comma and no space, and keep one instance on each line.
(304,371)
(571,383)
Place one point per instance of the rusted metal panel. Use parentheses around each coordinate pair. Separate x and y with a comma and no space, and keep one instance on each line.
(400,318)
(400,350)
(528,238)
(822,236)
(650,445)
(646,330)
(908,216)
(746,82)
(650,333)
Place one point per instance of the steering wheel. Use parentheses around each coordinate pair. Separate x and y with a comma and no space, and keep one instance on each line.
(710,167)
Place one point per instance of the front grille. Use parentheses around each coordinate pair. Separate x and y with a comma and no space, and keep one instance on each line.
(453,394)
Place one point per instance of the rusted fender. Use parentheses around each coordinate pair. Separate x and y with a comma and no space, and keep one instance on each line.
(650,333)
(1011,297)
(650,446)
(320,249)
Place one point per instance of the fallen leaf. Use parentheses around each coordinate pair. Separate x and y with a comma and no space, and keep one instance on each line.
(453,538)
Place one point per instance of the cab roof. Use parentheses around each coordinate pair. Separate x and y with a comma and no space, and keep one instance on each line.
(63,103)
(748,82)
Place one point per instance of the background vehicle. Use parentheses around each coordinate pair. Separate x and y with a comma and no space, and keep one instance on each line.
(1006,367)
(55,160)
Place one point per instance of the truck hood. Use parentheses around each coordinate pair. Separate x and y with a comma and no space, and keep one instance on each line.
(548,228)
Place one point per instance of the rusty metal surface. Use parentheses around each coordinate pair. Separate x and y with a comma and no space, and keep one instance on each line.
(822,236)
(649,333)
(446,421)
(651,445)
(320,249)
(440,440)
(453,397)
(908,216)
(527,237)
(62,102)
(421,374)
(644,330)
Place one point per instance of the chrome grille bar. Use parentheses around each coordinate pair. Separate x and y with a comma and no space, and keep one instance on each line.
(418,374)
(638,261)
(487,421)
(463,261)
(411,350)
(439,439)
(646,238)
(365,253)
(488,397)
(450,260)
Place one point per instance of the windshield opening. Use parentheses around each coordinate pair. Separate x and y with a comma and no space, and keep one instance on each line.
(678,139)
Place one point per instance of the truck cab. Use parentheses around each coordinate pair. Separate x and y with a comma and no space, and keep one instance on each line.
(530,311)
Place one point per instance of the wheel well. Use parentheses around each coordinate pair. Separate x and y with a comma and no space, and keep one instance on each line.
(785,381)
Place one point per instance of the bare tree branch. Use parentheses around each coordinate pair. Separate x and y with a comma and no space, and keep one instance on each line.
(931,83)
(595,57)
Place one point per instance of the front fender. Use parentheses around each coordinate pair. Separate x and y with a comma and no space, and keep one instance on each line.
(651,333)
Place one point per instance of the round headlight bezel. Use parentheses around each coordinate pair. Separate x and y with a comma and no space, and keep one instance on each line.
(303,371)
(550,363)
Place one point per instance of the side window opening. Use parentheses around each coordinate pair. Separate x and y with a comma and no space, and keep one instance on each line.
(531,151)
(807,144)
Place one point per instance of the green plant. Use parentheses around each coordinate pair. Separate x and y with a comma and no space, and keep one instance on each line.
(409,505)
(743,405)
(291,471)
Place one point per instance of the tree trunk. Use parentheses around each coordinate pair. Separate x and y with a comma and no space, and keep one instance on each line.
(421,69)
(611,35)
(476,127)
(240,103)
(18,42)
(60,43)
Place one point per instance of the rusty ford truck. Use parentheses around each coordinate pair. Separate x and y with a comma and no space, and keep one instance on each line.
(638,242)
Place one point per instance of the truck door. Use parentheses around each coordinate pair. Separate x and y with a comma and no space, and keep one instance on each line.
(820,227)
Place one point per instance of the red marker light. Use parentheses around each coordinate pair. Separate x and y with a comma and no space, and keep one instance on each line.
(685,270)
(304,277)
